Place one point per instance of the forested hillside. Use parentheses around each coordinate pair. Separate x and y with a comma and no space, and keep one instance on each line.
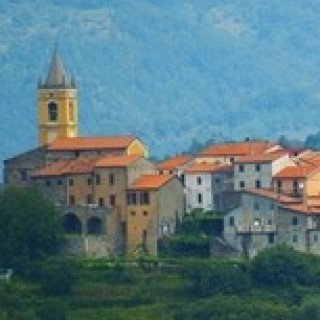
(165,70)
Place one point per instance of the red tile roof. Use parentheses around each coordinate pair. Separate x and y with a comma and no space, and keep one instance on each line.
(90,143)
(63,167)
(174,162)
(262,158)
(116,161)
(286,202)
(151,181)
(238,148)
(207,167)
(270,194)
(295,172)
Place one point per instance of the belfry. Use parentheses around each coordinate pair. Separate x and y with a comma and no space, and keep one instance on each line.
(57,104)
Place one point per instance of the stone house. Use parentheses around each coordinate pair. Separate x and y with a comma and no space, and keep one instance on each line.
(266,218)
(206,184)
(155,205)
(256,171)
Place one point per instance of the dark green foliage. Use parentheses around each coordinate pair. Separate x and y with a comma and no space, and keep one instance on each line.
(219,277)
(29,228)
(280,266)
(51,309)
(193,235)
(56,276)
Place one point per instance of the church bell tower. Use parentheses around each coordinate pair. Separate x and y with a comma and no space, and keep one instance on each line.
(57,104)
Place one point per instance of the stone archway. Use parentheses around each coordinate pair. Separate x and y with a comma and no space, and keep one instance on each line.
(94,226)
(72,224)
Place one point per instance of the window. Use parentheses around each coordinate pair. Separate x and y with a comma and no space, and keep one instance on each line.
(72,200)
(271,238)
(242,184)
(231,160)
(24,174)
(258,184)
(89,181)
(270,222)
(71,111)
(256,206)
(112,179)
(113,200)
(77,154)
(200,198)
(182,179)
(101,202)
(60,182)
(231,221)
(144,238)
(48,183)
(315,238)
(295,186)
(258,167)
(199,181)
(241,168)
(70,182)
(52,111)
(295,221)
(295,238)
(133,213)
(132,198)
(89,198)
(257,222)
(271,206)
(217,180)
(279,186)
(144,198)
(145,213)
(98,179)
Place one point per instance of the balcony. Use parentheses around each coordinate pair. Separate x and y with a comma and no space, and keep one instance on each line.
(263,228)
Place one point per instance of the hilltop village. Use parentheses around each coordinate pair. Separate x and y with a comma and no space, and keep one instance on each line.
(114,200)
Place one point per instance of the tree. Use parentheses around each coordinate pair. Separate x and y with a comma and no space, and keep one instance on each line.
(280,266)
(30,228)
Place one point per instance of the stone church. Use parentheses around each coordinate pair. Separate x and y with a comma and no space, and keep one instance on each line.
(110,197)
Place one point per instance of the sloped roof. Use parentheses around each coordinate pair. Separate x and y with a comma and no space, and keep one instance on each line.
(91,143)
(238,148)
(174,162)
(116,161)
(63,167)
(261,158)
(57,76)
(295,172)
(207,168)
(151,181)
(286,202)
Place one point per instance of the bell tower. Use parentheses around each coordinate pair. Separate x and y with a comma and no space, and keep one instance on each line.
(57,104)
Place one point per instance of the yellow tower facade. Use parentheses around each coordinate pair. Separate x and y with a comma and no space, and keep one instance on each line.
(57,104)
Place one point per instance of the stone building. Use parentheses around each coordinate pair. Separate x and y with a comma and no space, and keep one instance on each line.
(155,205)
(88,178)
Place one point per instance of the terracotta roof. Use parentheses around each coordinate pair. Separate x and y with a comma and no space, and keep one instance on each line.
(270,194)
(295,172)
(90,143)
(116,161)
(63,167)
(207,167)
(174,162)
(151,181)
(261,158)
(238,148)
(303,208)
(286,202)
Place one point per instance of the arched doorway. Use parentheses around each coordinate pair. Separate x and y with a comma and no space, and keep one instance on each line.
(71,224)
(94,226)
